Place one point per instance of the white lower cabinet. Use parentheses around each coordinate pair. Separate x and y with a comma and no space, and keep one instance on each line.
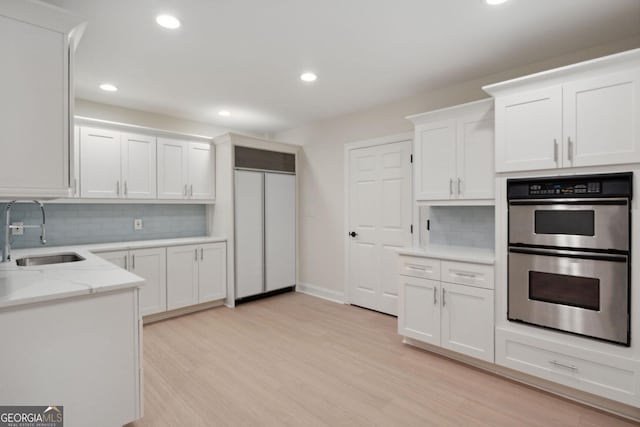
(455,316)
(150,264)
(176,276)
(606,375)
(467,320)
(196,274)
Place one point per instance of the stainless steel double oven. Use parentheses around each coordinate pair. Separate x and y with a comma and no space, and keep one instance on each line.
(569,254)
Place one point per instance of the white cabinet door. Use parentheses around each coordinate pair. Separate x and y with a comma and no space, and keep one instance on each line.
(249,233)
(435,151)
(529,130)
(119,258)
(100,158)
(467,320)
(201,171)
(172,169)
(150,264)
(75,179)
(33,110)
(280,230)
(475,157)
(182,276)
(602,120)
(139,166)
(212,272)
(419,309)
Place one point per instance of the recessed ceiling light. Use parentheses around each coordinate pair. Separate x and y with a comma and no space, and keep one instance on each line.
(224,113)
(495,2)
(108,87)
(308,77)
(168,21)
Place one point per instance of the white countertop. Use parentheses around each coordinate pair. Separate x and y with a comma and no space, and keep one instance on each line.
(27,285)
(452,253)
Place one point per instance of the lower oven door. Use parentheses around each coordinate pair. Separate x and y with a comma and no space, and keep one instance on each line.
(580,292)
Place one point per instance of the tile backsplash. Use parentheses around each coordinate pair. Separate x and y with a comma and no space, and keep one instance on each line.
(470,226)
(69,224)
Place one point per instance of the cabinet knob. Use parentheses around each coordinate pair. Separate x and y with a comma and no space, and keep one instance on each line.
(352,234)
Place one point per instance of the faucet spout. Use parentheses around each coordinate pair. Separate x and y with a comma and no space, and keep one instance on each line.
(6,254)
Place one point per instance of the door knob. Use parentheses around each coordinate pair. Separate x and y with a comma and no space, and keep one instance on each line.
(353,234)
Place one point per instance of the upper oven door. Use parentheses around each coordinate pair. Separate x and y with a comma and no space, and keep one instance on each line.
(570,223)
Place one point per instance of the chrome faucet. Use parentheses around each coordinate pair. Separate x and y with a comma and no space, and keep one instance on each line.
(9,227)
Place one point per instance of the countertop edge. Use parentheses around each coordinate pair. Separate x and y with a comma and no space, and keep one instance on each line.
(447,256)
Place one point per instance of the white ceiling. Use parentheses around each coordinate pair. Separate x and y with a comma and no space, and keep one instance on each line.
(246,55)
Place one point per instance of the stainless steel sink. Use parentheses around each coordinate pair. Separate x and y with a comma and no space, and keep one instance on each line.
(48,259)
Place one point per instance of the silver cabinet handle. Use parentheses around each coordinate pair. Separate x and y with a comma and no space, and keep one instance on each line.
(564,365)
(185,190)
(435,296)
(75,186)
(459,186)
(451,186)
(126,188)
(461,274)
(201,254)
(555,150)
(126,267)
(191,190)
(444,301)
(133,262)
(570,148)
(118,187)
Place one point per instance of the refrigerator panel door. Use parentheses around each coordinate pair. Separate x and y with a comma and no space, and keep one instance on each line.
(249,233)
(280,231)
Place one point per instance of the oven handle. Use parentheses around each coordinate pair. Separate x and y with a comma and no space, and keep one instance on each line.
(583,202)
(570,254)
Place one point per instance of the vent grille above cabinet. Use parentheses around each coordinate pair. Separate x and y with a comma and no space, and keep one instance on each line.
(252,158)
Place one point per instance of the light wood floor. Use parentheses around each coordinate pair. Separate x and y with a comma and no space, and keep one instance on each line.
(295,360)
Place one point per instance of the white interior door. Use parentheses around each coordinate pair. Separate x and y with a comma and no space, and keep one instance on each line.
(101,153)
(139,166)
(249,233)
(201,167)
(280,230)
(380,215)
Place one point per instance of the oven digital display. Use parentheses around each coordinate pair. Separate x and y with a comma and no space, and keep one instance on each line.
(547,189)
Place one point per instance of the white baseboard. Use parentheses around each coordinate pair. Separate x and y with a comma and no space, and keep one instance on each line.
(320,292)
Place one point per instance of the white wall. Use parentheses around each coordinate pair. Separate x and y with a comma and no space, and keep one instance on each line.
(321,222)
(143,118)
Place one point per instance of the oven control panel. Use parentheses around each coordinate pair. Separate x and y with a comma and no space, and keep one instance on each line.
(551,189)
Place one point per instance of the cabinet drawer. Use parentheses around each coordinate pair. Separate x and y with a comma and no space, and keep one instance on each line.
(464,273)
(427,268)
(605,375)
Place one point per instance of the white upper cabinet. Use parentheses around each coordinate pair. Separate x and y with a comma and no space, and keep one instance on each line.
(172,169)
(529,130)
(454,158)
(116,165)
(100,160)
(36,52)
(435,153)
(139,166)
(186,170)
(201,166)
(601,119)
(587,114)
